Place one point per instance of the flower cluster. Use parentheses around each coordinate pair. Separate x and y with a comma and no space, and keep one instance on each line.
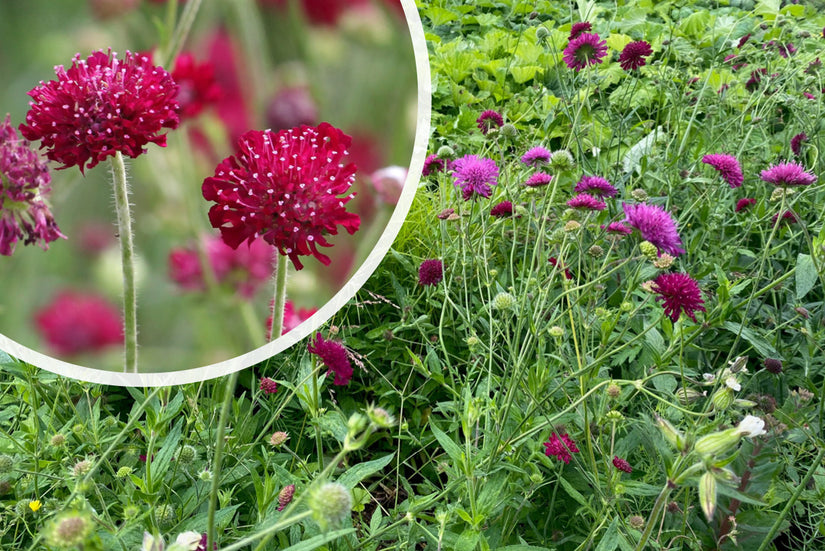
(334,357)
(678,293)
(560,446)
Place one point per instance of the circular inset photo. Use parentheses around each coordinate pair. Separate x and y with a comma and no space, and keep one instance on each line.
(189,187)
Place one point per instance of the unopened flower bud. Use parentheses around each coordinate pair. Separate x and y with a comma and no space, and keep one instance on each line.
(556,332)
(614,416)
(664,262)
(57,440)
(572,226)
(636,522)
(639,195)
(445,152)
(380,417)
(687,396)
(614,390)
(626,306)
(187,455)
(6,463)
(503,301)
(69,530)
(649,250)
(707,494)
(542,33)
(508,131)
(722,398)
(773,365)
(124,472)
(285,496)
(676,438)
(561,161)
(595,251)
(82,467)
(278,438)
(330,503)
(165,515)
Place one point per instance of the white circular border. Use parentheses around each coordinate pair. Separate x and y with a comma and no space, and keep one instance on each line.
(343,296)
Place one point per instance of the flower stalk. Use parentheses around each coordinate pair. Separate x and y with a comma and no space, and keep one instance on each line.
(127,258)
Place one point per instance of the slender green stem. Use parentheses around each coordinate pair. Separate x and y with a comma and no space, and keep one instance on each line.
(127,258)
(280,297)
(316,411)
(654,515)
(181,31)
(229,393)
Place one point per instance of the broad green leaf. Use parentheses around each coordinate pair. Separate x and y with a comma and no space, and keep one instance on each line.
(523,73)
(438,15)
(359,472)
(806,275)
(755,339)
(574,493)
(617,41)
(199,522)
(468,540)
(610,540)
(696,24)
(448,445)
(665,383)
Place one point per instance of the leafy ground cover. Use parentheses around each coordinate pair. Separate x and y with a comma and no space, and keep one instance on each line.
(600,328)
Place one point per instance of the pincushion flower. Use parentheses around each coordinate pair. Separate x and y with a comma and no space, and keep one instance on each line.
(501,210)
(539,179)
(617,228)
(489,120)
(24,183)
(678,293)
(788,173)
(334,357)
(433,164)
(586,49)
(586,202)
(76,322)
(535,156)
(727,166)
(742,204)
(796,143)
(284,187)
(633,55)
(431,272)
(579,28)
(474,175)
(622,464)
(197,88)
(595,185)
(100,106)
(656,226)
(560,446)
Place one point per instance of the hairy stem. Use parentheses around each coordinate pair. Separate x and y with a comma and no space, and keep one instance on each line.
(127,257)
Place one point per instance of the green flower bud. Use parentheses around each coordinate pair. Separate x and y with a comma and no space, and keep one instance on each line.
(626,306)
(165,515)
(649,250)
(57,440)
(687,396)
(380,417)
(639,194)
(278,438)
(676,438)
(595,251)
(556,332)
(571,226)
(187,455)
(445,152)
(6,463)
(542,33)
(613,416)
(614,390)
(707,494)
(130,512)
(504,301)
(82,468)
(205,475)
(722,398)
(124,472)
(717,443)
(509,131)
(69,530)
(330,503)
(562,161)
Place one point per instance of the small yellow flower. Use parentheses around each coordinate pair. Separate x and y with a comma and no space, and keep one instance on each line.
(35,505)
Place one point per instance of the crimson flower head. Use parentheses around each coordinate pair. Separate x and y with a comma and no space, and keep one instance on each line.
(432,164)
(99,106)
(579,28)
(789,173)
(502,210)
(727,166)
(622,464)
(744,203)
(586,49)
(595,185)
(796,143)
(633,55)
(536,156)
(284,187)
(489,120)
(656,226)
(76,322)
(474,175)
(431,272)
(197,87)
(335,358)
(585,201)
(24,182)
(268,386)
(678,293)
(560,446)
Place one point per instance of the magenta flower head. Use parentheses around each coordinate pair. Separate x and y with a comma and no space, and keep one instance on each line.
(536,156)
(502,210)
(99,106)
(787,174)
(656,226)
(586,49)
(538,179)
(579,28)
(633,55)
(796,143)
(622,464)
(268,386)
(76,322)
(284,187)
(335,358)
(433,164)
(617,228)
(197,88)
(474,175)
(727,166)
(595,185)
(743,204)
(24,183)
(489,120)
(431,272)
(560,446)
(678,293)
(586,202)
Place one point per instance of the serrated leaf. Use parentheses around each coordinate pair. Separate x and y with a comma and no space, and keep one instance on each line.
(438,15)
(359,472)
(665,384)
(806,275)
(523,73)
(617,41)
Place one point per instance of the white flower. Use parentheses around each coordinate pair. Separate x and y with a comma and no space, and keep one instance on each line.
(751,426)
(733,384)
(709,377)
(152,543)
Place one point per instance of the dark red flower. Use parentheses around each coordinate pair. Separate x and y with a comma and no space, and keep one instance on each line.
(742,204)
(633,55)
(433,164)
(290,107)
(285,496)
(292,318)
(335,358)
(197,87)
(743,40)
(99,106)
(76,322)
(284,188)
(773,365)
(268,386)
(505,208)
(489,120)
(561,447)
(788,217)
(796,143)
(622,464)
(431,272)
(579,28)
(555,263)
(678,293)
(204,541)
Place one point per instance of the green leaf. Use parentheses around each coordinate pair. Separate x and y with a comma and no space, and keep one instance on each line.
(359,472)
(438,15)
(756,340)
(574,493)
(163,458)
(523,547)
(806,275)
(319,540)
(610,540)
(522,74)
(696,24)
(449,446)
(468,540)
(199,522)
(617,41)
(665,384)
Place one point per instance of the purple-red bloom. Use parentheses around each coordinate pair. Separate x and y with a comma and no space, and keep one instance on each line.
(727,166)
(474,175)
(618,228)
(24,183)
(285,496)
(622,464)
(633,55)
(742,204)
(246,269)
(197,88)
(560,446)
(535,156)
(268,386)
(334,356)
(586,49)
(678,293)
(586,202)
(555,263)
(796,143)
(595,185)
(99,106)
(505,208)
(789,173)
(788,217)
(76,322)
(292,318)
(433,164)
(579,28)
(284,188)
(488,120)
(743,40)
(538,179)
(656,226)
(431,272)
